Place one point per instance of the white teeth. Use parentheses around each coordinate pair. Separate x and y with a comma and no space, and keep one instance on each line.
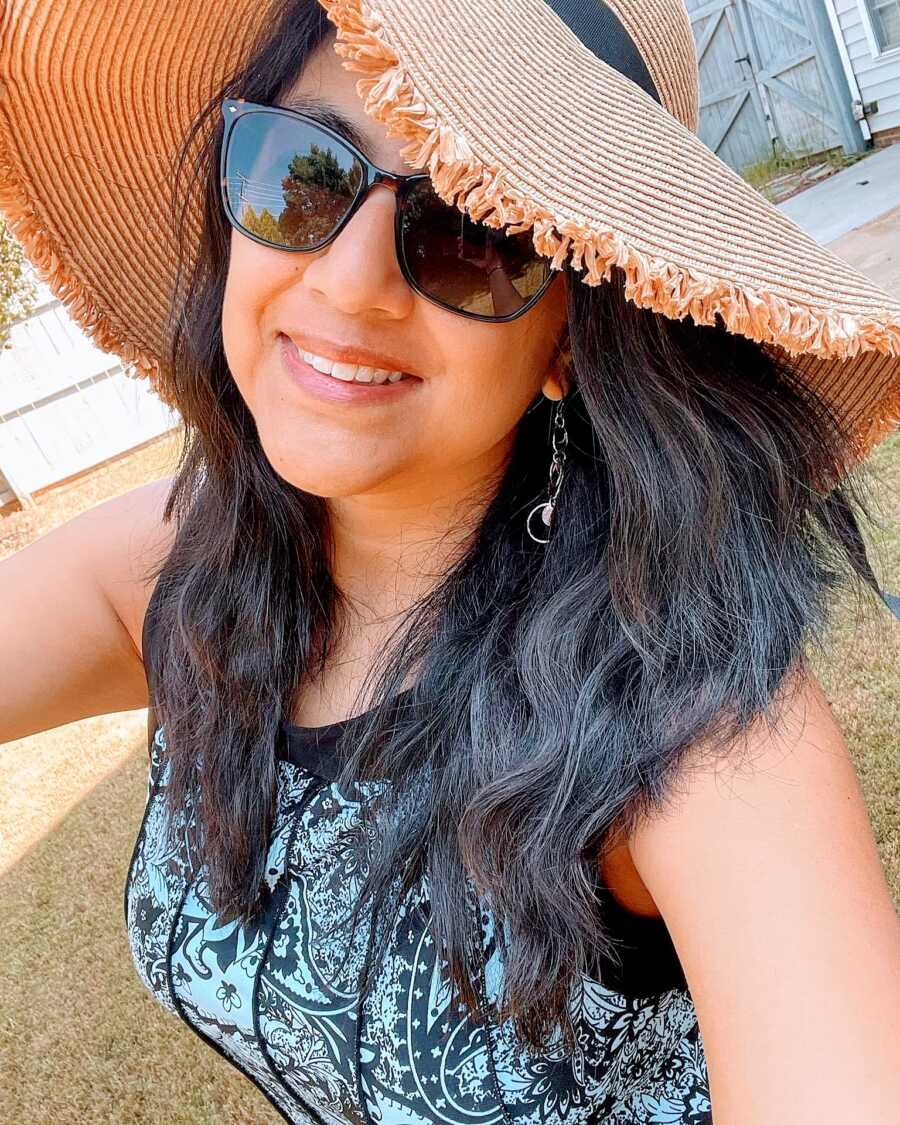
(323,365)
(345,371)
(351,372)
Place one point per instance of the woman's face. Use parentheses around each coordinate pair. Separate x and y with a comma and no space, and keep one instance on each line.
(453,424)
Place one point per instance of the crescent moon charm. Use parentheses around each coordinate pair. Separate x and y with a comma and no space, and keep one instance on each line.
(546,515)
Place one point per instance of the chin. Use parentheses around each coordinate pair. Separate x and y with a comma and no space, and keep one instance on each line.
(330,480)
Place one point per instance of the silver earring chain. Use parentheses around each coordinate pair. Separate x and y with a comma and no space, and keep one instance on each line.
(559,437)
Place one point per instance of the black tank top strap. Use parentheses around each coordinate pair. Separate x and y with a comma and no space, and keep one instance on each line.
(649,960)
(148,650)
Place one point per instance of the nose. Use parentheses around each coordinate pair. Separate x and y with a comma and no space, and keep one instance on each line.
(358,271)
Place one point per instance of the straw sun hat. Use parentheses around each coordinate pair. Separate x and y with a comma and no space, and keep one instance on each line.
(575,119)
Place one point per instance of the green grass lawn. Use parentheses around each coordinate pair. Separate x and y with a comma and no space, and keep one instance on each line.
(82,1041)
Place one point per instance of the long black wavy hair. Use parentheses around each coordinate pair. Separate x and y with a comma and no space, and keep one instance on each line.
(558,689)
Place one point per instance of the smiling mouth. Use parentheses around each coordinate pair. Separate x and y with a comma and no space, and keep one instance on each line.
(346,372)
(352,372)
(326,378)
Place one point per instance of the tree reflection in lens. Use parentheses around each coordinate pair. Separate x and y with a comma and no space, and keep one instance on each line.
(317,192)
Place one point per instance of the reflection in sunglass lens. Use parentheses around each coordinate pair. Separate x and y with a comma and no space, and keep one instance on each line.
(468,265)
(287,182)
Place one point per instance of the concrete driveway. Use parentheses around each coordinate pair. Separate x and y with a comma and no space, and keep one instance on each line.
(874,249)
(856,214)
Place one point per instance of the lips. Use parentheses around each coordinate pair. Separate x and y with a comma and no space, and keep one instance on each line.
(349,353)
(332,389)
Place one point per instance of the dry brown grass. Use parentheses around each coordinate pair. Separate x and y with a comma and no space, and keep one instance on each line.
(861,671)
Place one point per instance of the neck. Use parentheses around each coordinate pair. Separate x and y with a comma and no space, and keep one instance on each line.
(392,546)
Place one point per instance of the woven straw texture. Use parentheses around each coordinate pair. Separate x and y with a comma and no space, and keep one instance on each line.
(95,98)
(513,118)
(560,142)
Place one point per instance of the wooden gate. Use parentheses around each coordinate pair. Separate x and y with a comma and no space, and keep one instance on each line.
(770,80)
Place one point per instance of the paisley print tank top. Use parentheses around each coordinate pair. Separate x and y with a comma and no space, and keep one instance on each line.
(270,999)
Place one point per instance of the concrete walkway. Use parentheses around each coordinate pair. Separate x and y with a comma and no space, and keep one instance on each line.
(874,249)
(856,214)
(850,198)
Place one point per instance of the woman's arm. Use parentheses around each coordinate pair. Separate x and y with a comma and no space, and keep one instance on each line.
(769,878)
(71,604)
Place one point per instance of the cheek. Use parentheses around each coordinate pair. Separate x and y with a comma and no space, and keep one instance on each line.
(238,322)
(251,285)
(499,372)
(480,403)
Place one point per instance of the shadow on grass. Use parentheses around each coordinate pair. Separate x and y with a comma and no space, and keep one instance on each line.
(81,1039)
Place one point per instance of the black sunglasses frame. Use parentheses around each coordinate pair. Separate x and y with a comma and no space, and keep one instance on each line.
(234,108)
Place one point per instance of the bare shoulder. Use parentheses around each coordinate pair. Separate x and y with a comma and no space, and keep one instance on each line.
(767,872)
(72,614)
(126,537)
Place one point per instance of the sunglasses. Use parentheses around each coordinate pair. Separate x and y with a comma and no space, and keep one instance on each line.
(291,183)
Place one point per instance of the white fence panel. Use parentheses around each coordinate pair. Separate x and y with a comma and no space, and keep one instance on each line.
(65,405)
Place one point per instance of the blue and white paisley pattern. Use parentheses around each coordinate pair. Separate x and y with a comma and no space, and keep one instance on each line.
(156,880)
(638,1060)
(274,998)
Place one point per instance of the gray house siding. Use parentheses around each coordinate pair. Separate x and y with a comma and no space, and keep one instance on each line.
(877,73)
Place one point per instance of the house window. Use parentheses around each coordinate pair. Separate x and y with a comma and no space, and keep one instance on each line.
(885,18)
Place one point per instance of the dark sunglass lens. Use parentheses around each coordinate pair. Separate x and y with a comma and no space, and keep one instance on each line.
(468,265)
(286,181)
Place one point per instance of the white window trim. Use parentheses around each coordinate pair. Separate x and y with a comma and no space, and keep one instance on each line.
(872,39)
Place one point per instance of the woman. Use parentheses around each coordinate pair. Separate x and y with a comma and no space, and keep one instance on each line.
(488,778)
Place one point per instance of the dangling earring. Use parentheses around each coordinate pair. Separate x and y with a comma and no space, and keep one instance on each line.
(560,439)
